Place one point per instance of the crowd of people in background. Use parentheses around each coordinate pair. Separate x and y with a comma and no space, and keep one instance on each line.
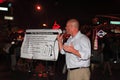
(108,50)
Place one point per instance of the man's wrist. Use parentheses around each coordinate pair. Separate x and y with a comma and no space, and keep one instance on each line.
(76,52)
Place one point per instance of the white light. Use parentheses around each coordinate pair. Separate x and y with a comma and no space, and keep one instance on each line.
(44,24)
(8,18)
(3,9)
(115,22)
(12,42)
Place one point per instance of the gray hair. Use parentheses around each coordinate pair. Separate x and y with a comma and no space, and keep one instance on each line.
(75,22)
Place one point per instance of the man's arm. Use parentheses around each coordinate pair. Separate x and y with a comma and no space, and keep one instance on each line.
(72,50)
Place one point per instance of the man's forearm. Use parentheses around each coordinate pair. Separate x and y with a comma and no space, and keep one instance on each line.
(76,52)
(60,45)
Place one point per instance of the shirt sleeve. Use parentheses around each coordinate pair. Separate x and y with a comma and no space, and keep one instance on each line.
(85,51)
(85,48)
(62,51)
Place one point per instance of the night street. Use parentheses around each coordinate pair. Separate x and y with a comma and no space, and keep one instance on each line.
(7,74)
(40,39)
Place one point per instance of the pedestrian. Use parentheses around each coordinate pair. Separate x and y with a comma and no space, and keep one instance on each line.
(107,55)
(77,50)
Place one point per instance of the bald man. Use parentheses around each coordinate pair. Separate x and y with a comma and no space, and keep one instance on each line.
(77,50)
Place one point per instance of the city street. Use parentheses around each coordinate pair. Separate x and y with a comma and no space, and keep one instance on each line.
(34,34)
(96,74)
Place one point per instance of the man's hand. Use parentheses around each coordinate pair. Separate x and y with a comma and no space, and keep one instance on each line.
(60,41)
(68,48)
(60,38)
(71,49)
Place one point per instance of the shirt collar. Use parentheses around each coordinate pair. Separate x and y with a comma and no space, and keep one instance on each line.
(77,35)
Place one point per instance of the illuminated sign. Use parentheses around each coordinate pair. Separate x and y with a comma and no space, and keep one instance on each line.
(115,22)
(101,33)
(3,9)
(8,17)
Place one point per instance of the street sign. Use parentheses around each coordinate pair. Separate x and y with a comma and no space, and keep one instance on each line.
(101,33)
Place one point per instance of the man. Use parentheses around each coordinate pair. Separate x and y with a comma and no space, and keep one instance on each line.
(78,52)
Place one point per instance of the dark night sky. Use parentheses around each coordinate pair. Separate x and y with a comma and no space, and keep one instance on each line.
(61,10)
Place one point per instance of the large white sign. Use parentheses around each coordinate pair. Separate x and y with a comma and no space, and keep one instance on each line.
(40,44)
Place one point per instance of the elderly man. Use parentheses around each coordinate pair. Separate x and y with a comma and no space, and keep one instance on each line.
(77,50)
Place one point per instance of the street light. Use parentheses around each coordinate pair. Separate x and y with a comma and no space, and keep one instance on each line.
(38,7)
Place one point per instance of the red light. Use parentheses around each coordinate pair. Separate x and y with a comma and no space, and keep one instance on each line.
(38,7)
(1,1)
(56,26)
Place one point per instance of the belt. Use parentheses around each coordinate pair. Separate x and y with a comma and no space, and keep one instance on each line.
(77,68)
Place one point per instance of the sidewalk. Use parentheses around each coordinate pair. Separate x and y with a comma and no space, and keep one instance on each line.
(7,74)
